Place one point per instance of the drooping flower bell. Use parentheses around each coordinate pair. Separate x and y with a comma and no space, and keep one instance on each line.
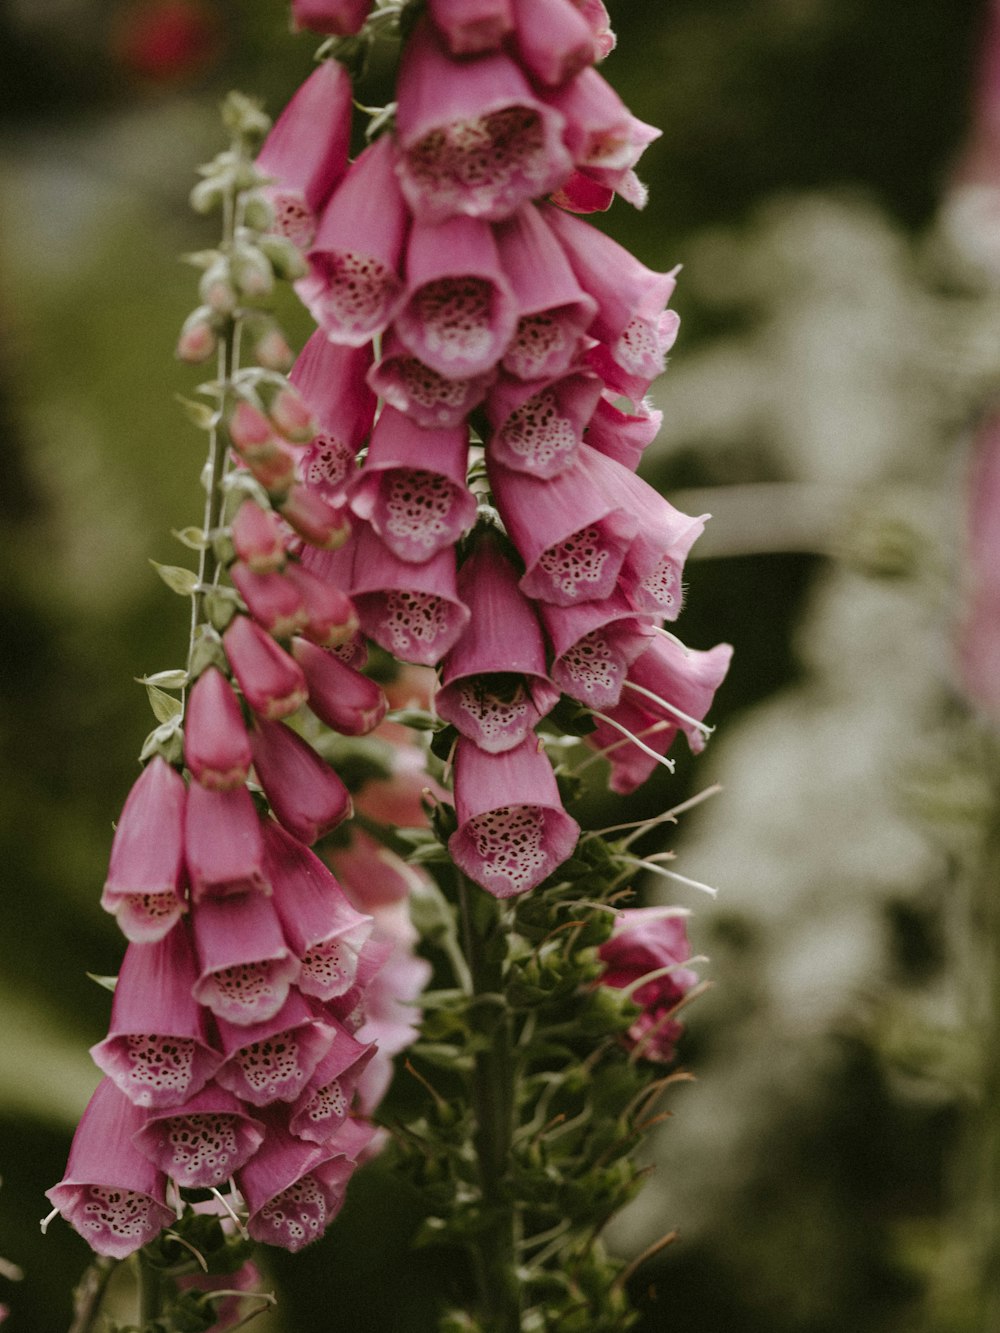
(274,1060)
(145,881)
(304,792)
(246,966)
(222,843)
(201,1142)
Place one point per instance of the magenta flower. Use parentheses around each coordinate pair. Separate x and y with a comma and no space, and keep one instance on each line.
(650,941)
(571,531)
(304,792)
(272,682)
(274,1060)
(473,136)
(622,435)
(223,847)
(413,611)
(553,309)
(353,287)
(145,884)
(458,314)
(327,934)
(318,521)
(200,1143)
(371,874)
(323,1106)
(339,695)
(538,426)
(424,395)
(553,40)
(333,381)
(259,537)
(216,745)
(272,599)
(111,1194)
(306,151)
(412,486)
(246,967)
(228,1312)
(593,645)
(596,14)
(339,18)
(470,27)
(494,682)
(512,828)
(157,1049)
(330,617)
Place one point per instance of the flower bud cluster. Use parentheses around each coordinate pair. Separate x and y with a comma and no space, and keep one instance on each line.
(511,345)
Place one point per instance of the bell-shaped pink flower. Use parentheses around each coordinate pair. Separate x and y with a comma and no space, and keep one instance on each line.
(323,1106)
(272,682)
(324,930)
(201,1143)
(341,697)
(111,1194)
(306,151)
(216,745)
(572,533)
(474,138)
(145,883)
(668,689)
(650,941)
(223,847)
(553,40)
(593,646)
(304,792)
(338,18)
(469,27)
(596,14)
(622,435)
(606,140)
(353,288)
(424,395)
(458,313)
(259,537)
(332,380)
(294,1189)
(330,616)
(157,1049)
(272,599)
(638,357)
(372,875)
(512,829)
(274,1060)
(412,486)
(413,611)
(553,309)
(538,425)
(494,682)
(246,967)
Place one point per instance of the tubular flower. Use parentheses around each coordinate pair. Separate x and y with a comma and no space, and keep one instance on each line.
(201,1142)
(145,883)
(650,942)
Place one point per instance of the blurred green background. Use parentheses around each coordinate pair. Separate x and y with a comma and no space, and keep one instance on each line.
(832,1168)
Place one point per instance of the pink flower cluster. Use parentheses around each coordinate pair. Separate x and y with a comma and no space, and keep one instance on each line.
(455,289)
(645,955)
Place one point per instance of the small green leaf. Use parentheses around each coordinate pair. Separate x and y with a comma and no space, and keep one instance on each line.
(221,605)
(193,538)
(165,707)
(166,680)
(417,718)
(109,983)
(199,414)
(166,740)
(179,580)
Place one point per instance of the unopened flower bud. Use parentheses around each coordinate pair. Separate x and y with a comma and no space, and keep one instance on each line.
(216,745)
(274,601)
(216,289)
(272,682)
(252,273)
(274,468)
(291,416)
(258,213)
(319,523)
(332,619)
(198,339)
(286,259)
(250,431)
(258,538)
(271,350)
(209,193)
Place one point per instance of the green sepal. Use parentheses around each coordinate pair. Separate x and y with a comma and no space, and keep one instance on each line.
(165,707)
(444,821)
(166,740)
(178,579)
(572,717)
(221,604)
(443,742)
(199,414)
(207,651)
(191,537)
(106,983)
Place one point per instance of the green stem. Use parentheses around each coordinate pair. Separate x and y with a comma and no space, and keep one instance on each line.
(89,1294)
(493,1097)
(150,1292)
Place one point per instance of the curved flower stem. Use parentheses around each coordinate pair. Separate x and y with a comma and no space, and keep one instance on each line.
(89,1294)
(494,1246)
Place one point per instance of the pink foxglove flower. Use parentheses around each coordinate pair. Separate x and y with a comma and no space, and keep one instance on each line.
(324,1105)
(246,967)
(304,792)
(317,521)
(306,151)
(111,1193)
(512,829)
(259,537)
(429,398)
(623,435)
(474,137)
(330,616)
(572,533)
(650,941)
(580,193)
(469,27)
(494,682)
(552,39)
(157,1049)
(596,14)
(458,313)
(606,140)
(145,882)
(553,309)
(339,695)
(223,847)
(273,600)
(328,935)
(338,18)
(216,745)
(412,486)
(593,645)
(538,425)
(332,380)
(200,1143)
(413,611)
(272,682)
(354,288)
(668,689)
(274,1060)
